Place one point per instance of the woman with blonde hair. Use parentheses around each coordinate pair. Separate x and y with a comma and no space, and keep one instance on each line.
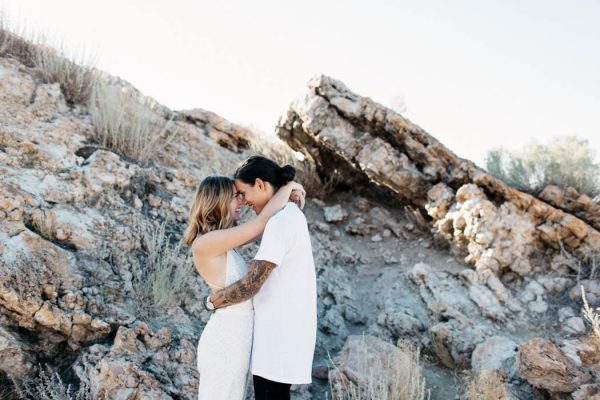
(214,233)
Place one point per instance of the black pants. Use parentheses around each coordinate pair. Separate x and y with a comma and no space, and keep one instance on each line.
(265,389)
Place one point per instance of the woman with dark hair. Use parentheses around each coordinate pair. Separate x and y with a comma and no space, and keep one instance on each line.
(258,178)
(214,233)
(285,307)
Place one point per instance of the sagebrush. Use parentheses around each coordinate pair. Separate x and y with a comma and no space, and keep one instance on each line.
(128,122)
(160,279)
(48,385)
(564,161)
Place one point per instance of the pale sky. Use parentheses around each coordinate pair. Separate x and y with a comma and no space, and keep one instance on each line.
(475,74)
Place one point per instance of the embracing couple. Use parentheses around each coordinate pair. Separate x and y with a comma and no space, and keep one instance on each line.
(265,312)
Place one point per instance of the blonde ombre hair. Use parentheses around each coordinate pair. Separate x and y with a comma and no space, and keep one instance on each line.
(210,207)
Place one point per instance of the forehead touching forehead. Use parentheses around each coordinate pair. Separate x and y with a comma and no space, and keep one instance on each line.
(241,186)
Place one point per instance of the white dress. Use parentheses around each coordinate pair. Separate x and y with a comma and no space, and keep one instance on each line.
(226,343)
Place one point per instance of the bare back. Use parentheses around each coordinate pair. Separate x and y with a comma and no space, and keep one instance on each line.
(211,268)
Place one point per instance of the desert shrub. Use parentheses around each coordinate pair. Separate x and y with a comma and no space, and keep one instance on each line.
(486,385)
(441,352)
(127,122)
(13,45)
(76,77)
(565,162)
(75,74)
(306,171)
(164,270)
(48,385)
(402,379)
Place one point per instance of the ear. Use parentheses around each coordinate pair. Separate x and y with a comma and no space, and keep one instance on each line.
(260,184)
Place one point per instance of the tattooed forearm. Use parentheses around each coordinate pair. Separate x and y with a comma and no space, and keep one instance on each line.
(248,286)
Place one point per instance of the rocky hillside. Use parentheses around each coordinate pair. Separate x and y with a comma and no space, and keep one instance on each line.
(411,242)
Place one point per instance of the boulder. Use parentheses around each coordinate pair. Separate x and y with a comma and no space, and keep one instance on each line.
(496,353)
(544,365)
(334,213)
(489,223)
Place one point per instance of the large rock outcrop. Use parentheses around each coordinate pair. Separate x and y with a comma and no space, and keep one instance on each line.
(494,226)
(72,221)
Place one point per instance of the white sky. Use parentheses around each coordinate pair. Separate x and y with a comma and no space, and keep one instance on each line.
(475,74)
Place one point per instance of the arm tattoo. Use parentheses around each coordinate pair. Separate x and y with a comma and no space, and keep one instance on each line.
(248,286)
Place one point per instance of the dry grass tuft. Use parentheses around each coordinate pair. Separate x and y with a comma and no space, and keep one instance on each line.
(400,377)
(75,74)
(48,385)
(128,123)
(76,78)
(486,385)
(158,283)
(592,316)
(14,46)
(442,354)
(584,261)
(123,120)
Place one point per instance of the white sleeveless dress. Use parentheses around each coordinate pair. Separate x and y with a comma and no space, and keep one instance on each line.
(226,343)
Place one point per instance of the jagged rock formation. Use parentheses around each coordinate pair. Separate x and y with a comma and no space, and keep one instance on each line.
(502,232)
(494,226)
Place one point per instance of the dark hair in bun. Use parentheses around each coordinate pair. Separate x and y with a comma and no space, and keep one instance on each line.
(287,174)
(266,170)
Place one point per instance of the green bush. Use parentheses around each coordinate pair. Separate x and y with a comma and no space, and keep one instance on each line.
(563,161)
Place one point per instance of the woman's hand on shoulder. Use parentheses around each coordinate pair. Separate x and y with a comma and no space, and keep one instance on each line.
(297,186)
(298,197)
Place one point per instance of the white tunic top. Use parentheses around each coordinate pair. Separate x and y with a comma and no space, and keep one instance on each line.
(285,308)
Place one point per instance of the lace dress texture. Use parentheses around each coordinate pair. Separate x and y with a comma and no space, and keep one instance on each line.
(226,342)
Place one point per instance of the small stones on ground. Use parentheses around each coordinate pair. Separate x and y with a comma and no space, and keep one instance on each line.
(565,313)
(574,325)
(322,227)
(363,204)
(388,257)
(539,306)
(426,244)
(360,227)
(376,238)
(334,213)
(154,201)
